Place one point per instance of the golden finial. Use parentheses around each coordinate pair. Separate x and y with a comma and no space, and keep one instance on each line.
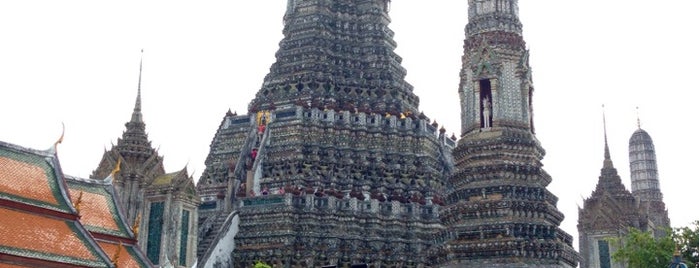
(116,255)
(136,224)
(117,167)
(78,202)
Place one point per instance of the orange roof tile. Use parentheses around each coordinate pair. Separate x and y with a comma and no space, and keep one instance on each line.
(95,210)
(127,256)
(99,209)
(35,236)
(25,180)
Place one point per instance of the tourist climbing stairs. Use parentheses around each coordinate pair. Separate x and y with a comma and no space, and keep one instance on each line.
(251,157)
(247,155)
(254,174)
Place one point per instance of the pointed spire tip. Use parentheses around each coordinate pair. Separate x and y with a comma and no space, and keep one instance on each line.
(638,118)
(136,116)
(607,155)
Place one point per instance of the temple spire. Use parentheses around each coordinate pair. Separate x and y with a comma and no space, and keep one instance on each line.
(607,156)
(135,139)
(137,116)
(638,118)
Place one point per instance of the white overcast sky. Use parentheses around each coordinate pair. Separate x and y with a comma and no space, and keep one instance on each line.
(76,62)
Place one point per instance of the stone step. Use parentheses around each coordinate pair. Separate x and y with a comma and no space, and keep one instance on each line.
(205,243)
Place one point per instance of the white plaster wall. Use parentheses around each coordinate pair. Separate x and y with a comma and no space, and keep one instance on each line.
(224,246)
(257,176)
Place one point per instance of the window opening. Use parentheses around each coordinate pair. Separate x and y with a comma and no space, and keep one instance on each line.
(184,233)
(155,228)
(604,258)
(486,104)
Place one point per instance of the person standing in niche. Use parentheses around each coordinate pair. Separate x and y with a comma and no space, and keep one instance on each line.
(486,112)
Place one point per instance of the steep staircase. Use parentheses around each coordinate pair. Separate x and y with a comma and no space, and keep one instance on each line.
(211,223)
(216,222)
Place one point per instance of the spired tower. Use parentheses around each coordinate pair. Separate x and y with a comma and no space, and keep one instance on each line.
(606,215)
(138,161)
(644,180)
(499,212)
(163,206)
(334,164)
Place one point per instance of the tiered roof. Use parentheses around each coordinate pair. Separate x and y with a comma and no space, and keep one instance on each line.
(102,216)
(343,134)
(177,180)
(611,206)
(39,226)
(338,55)
(140,159)
(499,212)
(134,149)
(142,176)
(53,220)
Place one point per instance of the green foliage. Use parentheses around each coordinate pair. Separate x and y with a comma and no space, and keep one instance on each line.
(260,264)
(641,250)
(687,239)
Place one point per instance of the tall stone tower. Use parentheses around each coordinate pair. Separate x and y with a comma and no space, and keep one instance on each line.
(162,205)
(645,185)
(606,215)
(334,164)
(138,161)
(499,212)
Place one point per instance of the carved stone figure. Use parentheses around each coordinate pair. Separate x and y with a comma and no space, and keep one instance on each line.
(486,112)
